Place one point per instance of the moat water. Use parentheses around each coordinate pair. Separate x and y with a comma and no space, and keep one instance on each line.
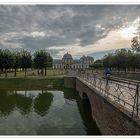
(45,112)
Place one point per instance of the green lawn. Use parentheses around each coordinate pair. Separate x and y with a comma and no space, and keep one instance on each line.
(33,74)
(129,76)
(54,79)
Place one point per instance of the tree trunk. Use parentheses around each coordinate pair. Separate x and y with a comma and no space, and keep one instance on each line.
(42,72)
(37,71)
(45,71)
(1,71)
(25,72)
(5,73)
(15,74)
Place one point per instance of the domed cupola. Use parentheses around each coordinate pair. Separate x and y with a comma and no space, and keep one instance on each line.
(67,56)
(67,60)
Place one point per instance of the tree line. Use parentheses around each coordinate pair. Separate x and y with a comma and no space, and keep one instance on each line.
(122,59)
(24,60)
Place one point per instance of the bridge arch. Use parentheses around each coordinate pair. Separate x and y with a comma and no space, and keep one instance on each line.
(104,110)
(87,102)
(85,96)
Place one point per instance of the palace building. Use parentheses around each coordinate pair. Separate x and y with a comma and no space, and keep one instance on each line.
(67,62)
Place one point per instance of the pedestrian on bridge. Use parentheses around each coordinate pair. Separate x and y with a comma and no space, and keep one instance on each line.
(107,72)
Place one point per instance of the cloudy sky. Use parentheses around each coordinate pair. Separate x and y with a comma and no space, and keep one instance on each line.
(78,29)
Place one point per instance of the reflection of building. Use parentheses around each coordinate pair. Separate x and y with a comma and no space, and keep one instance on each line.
(67,62)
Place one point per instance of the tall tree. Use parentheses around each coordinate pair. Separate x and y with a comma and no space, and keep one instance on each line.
(17,63)
(136,40)
(136,44)
(1,58)
(136,61)
(7,60)
(97,64)
(26,60)
(49,63)
(121,58)
(42,60)
(108,60)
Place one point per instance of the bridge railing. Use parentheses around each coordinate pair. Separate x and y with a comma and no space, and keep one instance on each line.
(126,94)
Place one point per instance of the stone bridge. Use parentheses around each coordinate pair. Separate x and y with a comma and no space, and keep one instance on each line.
(115,103)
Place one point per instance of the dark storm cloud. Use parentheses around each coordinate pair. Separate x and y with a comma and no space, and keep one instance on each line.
(34,43)
(43,26)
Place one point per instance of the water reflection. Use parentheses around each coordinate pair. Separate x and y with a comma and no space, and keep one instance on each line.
(7,103)
(45,113)
(43,102)
(24,101)
(69,94)
(86,114)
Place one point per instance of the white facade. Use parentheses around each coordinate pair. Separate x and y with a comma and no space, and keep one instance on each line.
(67,62)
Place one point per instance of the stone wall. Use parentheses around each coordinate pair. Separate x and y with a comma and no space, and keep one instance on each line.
(69,81)
(109,118)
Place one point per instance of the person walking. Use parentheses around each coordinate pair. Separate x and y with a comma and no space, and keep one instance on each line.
(107,72)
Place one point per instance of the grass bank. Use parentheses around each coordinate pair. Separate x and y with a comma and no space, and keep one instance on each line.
(31,83)
(129,76)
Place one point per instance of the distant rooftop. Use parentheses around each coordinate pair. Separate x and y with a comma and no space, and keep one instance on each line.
(57,61)
(67,56)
